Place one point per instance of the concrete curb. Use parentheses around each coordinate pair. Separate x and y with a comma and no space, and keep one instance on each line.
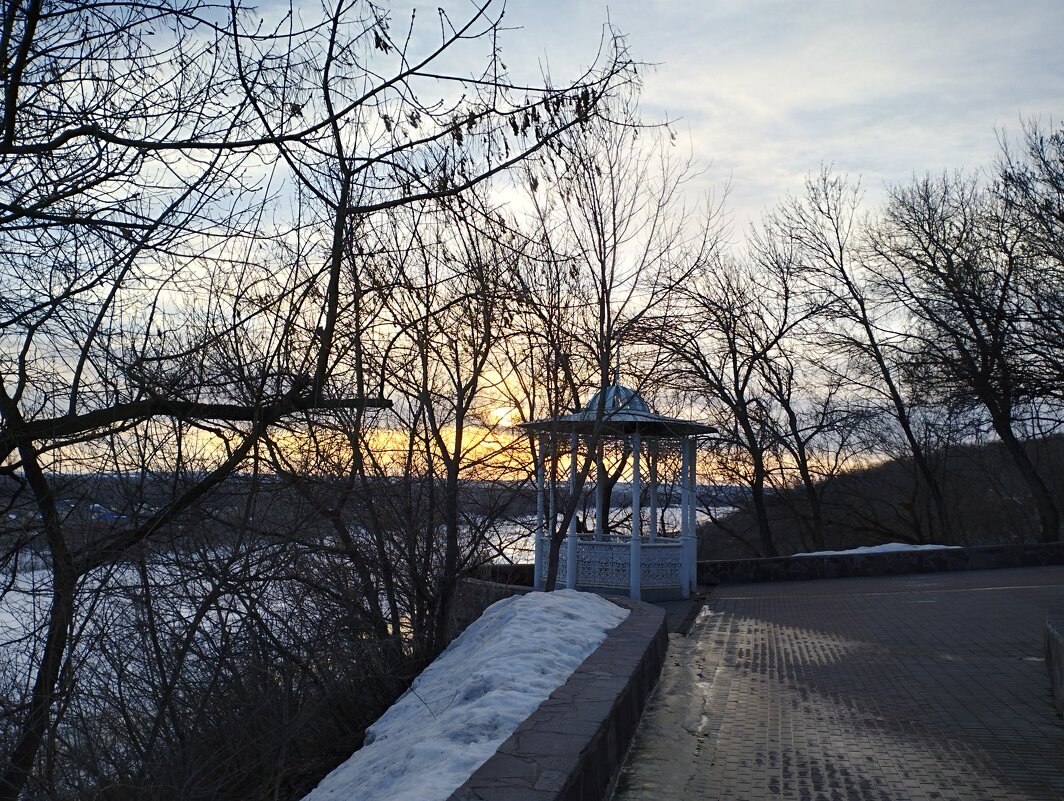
(572,746)
(1054,644)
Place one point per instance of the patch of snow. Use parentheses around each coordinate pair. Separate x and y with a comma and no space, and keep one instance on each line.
(890,547)
(465,704)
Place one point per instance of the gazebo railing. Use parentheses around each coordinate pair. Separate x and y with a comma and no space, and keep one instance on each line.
(605,565)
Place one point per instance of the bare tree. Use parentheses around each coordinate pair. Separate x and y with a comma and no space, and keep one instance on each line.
(1030,184)
(948,253)
(819,433)
(449,309)
(608,240)
(738,318)
(823,230)
(168,297)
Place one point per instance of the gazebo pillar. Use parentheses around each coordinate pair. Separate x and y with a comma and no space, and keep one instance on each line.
(689,540)
(635,563)
(541,518)
(653,457)
(571,541)
(600,501)
(685,516)
(552,498)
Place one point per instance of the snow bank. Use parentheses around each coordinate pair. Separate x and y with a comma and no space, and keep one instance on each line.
(466,703)
(890,547)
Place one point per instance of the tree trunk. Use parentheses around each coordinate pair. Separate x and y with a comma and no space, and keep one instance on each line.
(757,484)
(764,532)
(449,580)
(901,412)
(1048,514)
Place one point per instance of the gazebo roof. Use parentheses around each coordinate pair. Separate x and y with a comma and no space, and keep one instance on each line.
(625,412)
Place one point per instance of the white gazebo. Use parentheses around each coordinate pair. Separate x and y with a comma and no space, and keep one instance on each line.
(645,563)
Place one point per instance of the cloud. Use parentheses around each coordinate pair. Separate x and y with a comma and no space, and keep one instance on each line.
(768,90)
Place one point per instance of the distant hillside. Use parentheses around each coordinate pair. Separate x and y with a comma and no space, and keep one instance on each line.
(986,497)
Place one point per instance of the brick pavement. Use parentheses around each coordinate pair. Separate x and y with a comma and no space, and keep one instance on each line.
(900,688)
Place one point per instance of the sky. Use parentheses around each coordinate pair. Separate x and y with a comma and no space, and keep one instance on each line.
(764,92)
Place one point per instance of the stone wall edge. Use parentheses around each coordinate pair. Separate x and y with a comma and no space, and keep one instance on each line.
(803,568)
(1054,653)
(573,745)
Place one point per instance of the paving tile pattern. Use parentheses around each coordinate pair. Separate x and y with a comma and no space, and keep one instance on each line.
(904,687)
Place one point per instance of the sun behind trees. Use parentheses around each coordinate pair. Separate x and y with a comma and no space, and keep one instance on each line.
(185,190)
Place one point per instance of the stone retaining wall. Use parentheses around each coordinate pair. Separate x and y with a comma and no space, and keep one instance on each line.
(473,596)
(1054,641)
(797,568)
(572,746)
(791,568)
(522,574)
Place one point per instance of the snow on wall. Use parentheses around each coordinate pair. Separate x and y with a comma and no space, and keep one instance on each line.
(466,703)
(890,547)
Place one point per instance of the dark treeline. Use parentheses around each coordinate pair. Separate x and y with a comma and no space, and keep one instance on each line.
(983,491)
(273,292)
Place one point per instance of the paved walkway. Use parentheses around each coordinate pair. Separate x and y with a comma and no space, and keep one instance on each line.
(895,689)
